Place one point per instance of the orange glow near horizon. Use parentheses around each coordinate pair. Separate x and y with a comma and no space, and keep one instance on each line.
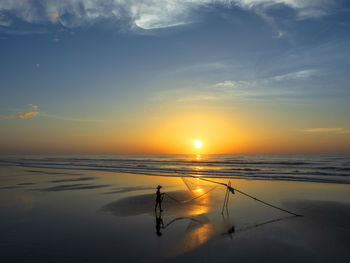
(172,132)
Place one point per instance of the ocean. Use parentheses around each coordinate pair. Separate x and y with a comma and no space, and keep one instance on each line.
(327,168)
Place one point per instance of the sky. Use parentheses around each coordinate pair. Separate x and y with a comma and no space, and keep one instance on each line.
(150,77)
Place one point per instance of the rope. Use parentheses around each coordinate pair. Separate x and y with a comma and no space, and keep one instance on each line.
(243,193)
(236,231)
(181,218)
(186,201)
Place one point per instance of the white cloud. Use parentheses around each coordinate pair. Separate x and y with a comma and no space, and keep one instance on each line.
(235,84)
(251,90)
(297,75)
(264,87)
(145,14)
(283,87)
(265,82)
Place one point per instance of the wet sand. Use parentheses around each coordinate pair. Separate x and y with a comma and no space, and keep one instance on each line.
(51,215)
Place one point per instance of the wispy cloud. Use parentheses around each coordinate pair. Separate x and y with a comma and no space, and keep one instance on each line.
(297,75)
(280,33)
(35,107)
(264,87)
(33,111)
(28,114)
(267,88)
(145,14)
(66,118)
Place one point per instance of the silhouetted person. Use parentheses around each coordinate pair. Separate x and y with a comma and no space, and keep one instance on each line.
(159,199)
(159,224)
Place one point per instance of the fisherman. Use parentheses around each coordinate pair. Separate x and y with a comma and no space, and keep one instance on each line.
(159,198)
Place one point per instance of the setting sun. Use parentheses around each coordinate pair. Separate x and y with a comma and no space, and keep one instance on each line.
(197,144)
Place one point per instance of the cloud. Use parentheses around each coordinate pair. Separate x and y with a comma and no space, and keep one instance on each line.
(297,75)
(65,118)
(237,88)
(4,21)
(327,130)
(28,114)
(35,107)
(145,14)
(275,87)
(267,81)
(53,16)
(280,33)
(264,86)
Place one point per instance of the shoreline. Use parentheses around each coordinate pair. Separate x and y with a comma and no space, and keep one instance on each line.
(179,175)
(117,209)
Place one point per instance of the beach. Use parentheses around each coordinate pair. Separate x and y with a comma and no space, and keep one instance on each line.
(72,215)
(174,131)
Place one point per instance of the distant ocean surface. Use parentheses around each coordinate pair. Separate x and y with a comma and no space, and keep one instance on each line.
(312,168)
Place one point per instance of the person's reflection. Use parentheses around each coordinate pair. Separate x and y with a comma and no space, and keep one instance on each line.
(159,223)
(231,231)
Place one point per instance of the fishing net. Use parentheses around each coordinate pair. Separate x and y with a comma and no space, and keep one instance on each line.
(197,186)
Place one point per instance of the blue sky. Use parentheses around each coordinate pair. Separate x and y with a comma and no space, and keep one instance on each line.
(66,62)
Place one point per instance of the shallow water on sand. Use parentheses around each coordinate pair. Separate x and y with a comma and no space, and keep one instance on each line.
(65,215)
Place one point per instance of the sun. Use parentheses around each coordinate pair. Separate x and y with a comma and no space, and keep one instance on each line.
(197,144)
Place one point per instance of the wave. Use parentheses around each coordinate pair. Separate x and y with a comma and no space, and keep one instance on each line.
(328,169)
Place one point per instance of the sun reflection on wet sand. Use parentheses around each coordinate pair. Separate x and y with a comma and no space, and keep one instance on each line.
(202,205)
(199,190)
(197,233)
(200,228)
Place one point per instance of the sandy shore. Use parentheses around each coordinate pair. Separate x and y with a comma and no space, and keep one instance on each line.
(89,216)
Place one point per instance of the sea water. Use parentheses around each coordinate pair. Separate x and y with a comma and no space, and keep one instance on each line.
(328,168)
